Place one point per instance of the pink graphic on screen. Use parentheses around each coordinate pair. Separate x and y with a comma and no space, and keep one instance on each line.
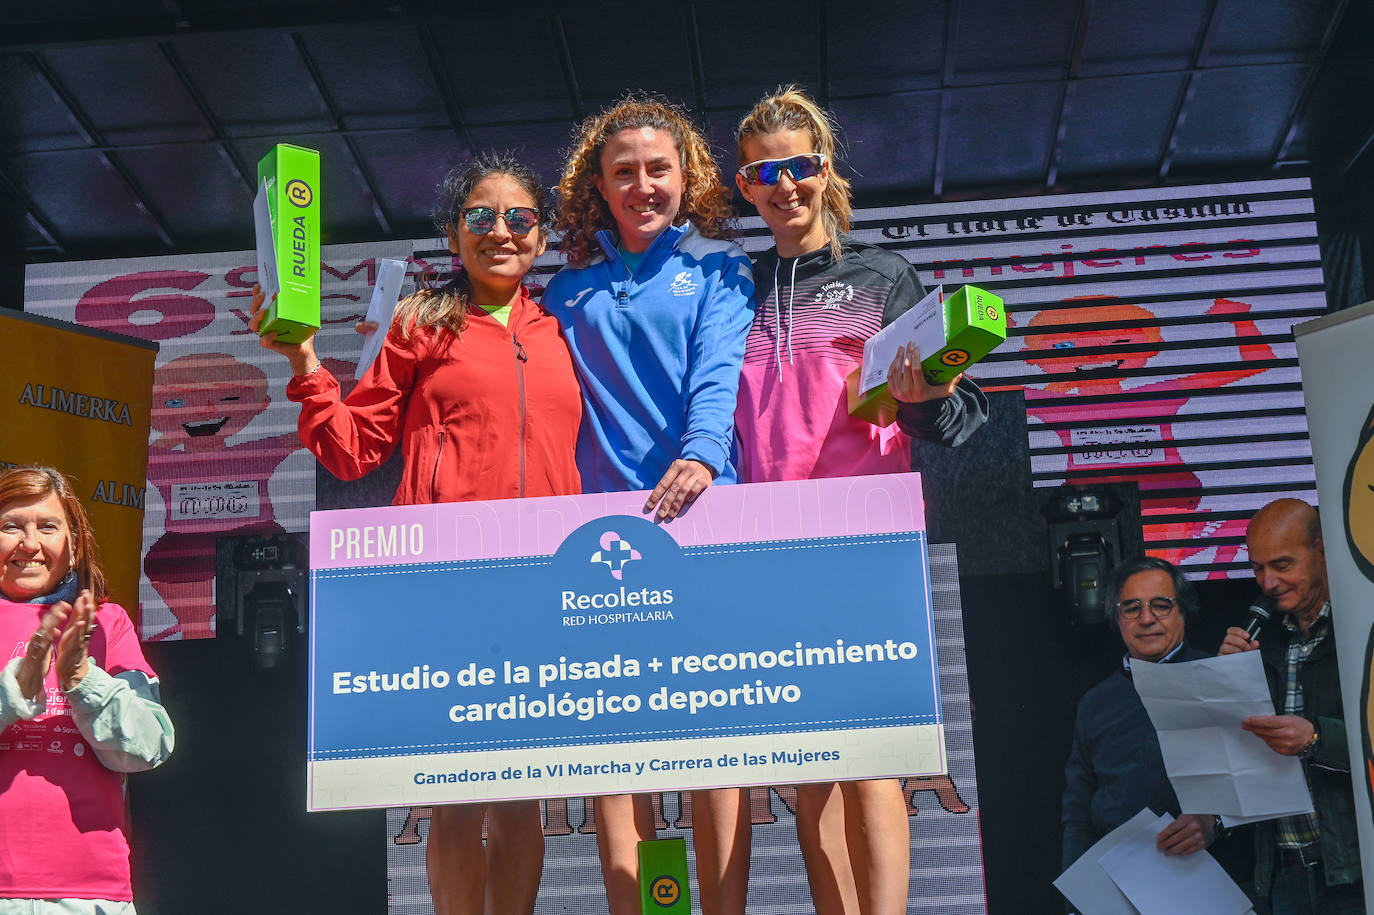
(1140,440)
(200,401)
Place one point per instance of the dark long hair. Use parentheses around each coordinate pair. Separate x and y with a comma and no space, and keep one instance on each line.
(445,305)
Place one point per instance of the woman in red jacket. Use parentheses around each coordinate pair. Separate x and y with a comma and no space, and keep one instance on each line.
(475,385)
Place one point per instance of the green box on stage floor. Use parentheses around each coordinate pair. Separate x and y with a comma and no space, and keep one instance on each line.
(663,877)
(288,202)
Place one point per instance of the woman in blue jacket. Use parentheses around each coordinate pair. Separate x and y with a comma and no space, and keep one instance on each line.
(655,305)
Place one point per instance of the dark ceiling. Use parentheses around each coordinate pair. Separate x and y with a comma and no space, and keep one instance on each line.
(130,128)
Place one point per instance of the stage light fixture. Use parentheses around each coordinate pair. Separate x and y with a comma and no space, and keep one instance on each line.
(265,595)
(1091,529)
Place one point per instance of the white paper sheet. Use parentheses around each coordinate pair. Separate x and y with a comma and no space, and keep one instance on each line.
(391,275)
(1160,884)
(1214,765)
(922,324)
(266,247)
(1085,884)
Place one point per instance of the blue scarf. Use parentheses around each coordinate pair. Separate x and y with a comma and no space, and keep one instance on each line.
(67,590)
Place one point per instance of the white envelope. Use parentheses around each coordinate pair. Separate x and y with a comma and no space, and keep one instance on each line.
(266,246)
(386,293)
(922,324)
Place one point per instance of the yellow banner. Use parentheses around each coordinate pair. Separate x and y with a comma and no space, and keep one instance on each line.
(80,400)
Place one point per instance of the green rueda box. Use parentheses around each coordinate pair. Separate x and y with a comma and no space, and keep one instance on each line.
(663,877)
(974,325)
(289,178)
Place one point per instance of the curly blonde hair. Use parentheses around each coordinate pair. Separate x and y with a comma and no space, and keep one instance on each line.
(705,202)
(790,108)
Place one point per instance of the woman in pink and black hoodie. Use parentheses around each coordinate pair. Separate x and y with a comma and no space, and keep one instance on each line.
(820,296)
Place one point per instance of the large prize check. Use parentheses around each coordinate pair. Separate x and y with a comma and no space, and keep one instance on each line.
(775,633)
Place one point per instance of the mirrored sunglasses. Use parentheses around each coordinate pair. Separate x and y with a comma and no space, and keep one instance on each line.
(519,220)
(768,171)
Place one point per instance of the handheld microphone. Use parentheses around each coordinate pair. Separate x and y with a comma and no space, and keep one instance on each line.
(1261,611)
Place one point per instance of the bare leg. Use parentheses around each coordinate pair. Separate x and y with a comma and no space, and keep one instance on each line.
(821,834)
(879,837)
(455,860)
(720,838)
(622,822)
(515,857)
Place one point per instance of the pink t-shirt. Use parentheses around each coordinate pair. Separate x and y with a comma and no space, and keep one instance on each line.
(61,811)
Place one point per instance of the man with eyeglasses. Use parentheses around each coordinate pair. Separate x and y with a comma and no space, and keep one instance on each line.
(1115,768)
(1310,862)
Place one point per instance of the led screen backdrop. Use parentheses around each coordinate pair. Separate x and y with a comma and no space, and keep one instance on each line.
(223,454)
(1151,333)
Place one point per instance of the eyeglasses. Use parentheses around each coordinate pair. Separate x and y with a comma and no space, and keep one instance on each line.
(519,220)
(1161,607)
(768,171)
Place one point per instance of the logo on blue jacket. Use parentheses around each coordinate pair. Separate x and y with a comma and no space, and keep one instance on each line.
(682,284)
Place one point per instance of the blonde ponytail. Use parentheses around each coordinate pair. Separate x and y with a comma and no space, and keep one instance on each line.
(789,108)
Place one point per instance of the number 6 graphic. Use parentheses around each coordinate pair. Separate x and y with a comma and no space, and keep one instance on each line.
(110,305)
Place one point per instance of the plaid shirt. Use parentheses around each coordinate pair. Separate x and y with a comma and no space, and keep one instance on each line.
(1301,830)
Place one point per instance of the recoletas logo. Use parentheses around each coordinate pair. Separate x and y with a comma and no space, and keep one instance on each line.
(618,569)
(614,553)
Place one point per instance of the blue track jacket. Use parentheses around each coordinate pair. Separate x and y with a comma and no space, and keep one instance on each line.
(658,354)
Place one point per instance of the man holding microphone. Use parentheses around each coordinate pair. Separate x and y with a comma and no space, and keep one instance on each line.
(1308,863)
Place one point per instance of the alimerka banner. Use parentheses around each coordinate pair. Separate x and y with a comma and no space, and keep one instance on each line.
(224,459)
(79,400)
(777,633)
(1334,351)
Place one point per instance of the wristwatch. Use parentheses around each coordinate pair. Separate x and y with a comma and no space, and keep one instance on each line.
(1308,747)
